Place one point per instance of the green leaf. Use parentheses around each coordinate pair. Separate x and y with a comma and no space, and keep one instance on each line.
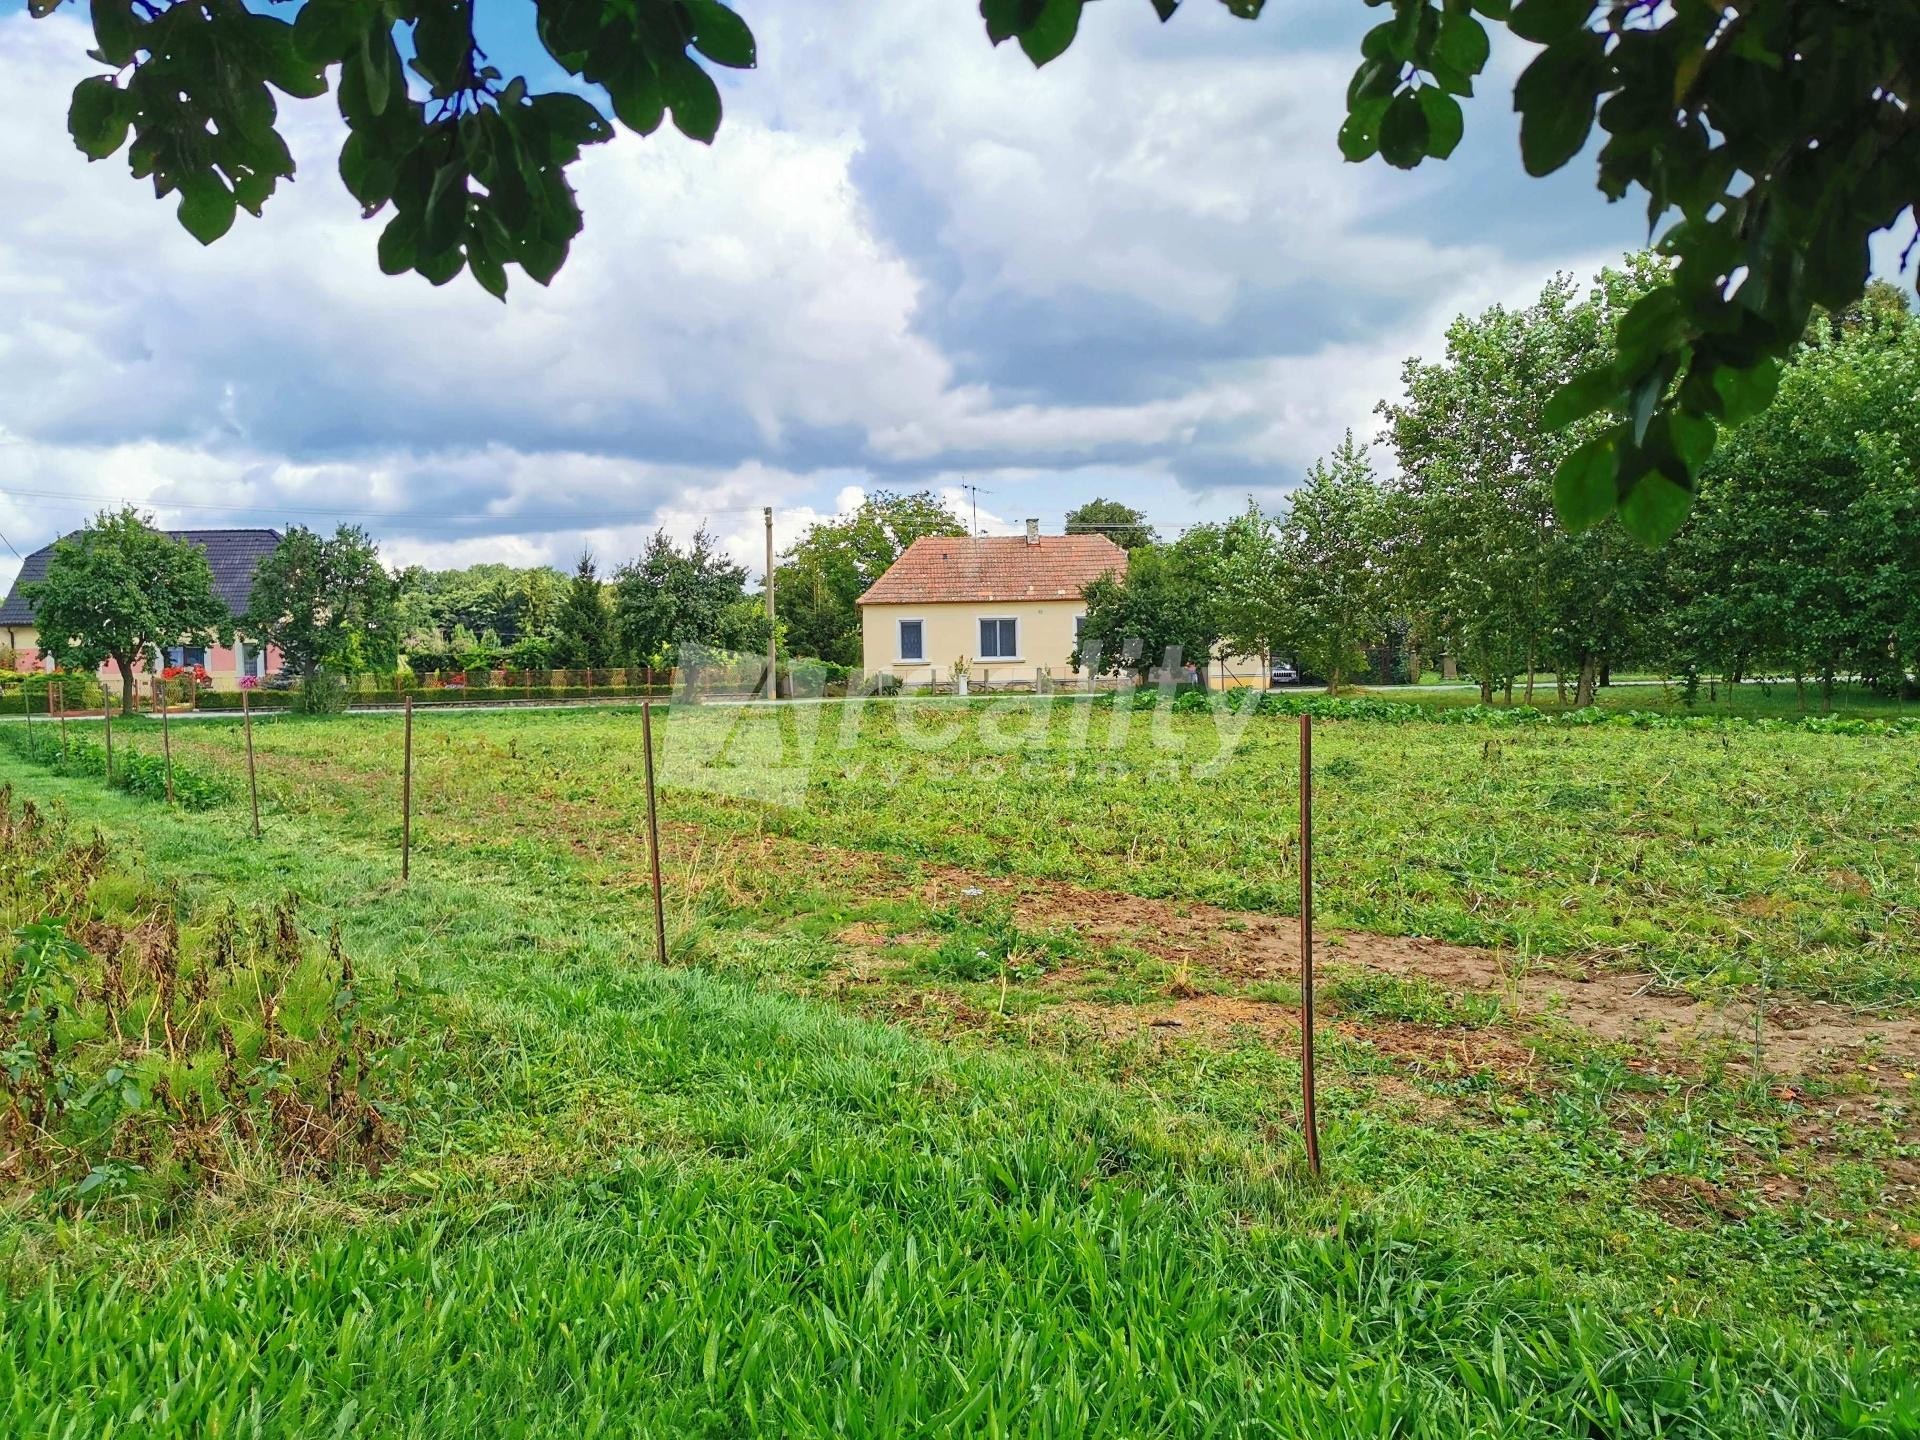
(98,117)
(637,98)
(1555,96)
(692,97)
(1360,135)
(1445,123)
(207,206)
(541,259)
(1653,507)
(1692,436)
(490,273)
(1583,486)
(113,31)
(721,35)
(441,268)
(376,81)
(1051,31)
(568,115)
(1462,42)
(1589,391)
(446,213)
(1545,21)
(400,244)
(1745,393)
(1403,132)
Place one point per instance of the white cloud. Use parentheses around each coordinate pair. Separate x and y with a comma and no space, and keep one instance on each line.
(910,262)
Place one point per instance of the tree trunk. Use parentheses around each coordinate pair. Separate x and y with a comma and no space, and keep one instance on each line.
(1583,689)
(1530,672)
(1449,667)
(1606,673)
(1486,689)
(126,686)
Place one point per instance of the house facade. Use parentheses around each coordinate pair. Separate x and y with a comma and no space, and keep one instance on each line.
(231,554)
(1008,606)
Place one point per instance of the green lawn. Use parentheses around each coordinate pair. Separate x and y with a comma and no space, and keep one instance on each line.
(804,1181)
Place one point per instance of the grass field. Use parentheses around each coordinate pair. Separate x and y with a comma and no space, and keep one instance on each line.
(1668,696)
(969,1102)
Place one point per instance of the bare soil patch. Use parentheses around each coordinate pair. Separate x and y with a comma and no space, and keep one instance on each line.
(1798,1037)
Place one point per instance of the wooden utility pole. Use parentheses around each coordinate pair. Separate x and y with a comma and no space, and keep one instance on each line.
(406,795)
(166,736)
(253,784)
(773,659)
(653,835)
(1306,942)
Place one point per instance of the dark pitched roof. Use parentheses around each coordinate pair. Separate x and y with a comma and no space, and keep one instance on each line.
(232,554)
(942,569)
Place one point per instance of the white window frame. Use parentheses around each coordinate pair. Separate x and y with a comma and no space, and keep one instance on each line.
(1079,634)
(899,635)
(1013,620)
(250,658)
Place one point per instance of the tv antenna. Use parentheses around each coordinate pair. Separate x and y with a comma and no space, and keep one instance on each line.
(976,491)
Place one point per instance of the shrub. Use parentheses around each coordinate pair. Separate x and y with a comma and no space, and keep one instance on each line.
(134,770)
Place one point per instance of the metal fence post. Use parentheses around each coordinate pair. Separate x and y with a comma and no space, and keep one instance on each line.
(1306,942)
(406,795)
(166,736)
(106,721)
(653,834)
(253,784)
(63,717)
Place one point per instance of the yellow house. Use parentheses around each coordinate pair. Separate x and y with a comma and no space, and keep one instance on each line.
(1008,607)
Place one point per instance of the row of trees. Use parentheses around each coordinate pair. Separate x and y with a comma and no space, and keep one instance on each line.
(1802,556)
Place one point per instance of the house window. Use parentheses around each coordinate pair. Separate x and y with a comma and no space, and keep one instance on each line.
(187,655)
(1079,638)
(913,640)
(999,639)
(253,660)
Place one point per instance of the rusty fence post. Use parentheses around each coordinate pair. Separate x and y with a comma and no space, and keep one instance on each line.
(166,735)
(63,718)
(253,783)
(406,793)
(653,834)
(1306,943)
(106,722)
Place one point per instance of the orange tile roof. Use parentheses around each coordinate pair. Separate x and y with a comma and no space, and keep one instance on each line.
(952,569)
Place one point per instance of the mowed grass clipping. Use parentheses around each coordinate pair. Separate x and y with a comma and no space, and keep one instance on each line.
(685,1202)
(1715,860)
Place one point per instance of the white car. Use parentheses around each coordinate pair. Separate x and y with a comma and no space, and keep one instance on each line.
(1282,674)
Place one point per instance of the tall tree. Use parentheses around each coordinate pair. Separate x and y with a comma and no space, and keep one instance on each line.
(669,597)
(822,575)
(1806,557)
(584,626)
(1776,141)
(1333,551)
(1168,605)
(1122,524)
(1486,568)
(326,602)
(119,590)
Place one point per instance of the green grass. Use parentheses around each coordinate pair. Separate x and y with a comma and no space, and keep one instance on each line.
(1713,860)
(1663,695)
(728,1198)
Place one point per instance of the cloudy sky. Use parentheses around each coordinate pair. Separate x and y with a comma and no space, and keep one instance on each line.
(910,260)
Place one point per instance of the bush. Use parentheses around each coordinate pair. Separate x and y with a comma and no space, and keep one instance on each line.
(134,770)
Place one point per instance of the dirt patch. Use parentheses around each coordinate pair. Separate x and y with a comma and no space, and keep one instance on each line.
(1801,1037)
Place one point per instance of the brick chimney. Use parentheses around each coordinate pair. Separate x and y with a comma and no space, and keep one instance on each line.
(1033,532)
